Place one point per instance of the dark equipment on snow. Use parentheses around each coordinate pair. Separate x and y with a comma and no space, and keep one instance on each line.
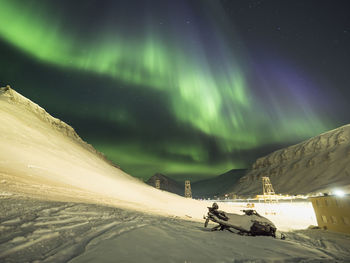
(250,224)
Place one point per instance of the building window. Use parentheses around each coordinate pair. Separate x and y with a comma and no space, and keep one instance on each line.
(333,219)
(346,220)
(324,219)
(326,202)
(318,203)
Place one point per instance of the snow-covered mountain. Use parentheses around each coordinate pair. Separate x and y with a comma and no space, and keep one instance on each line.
(43,157)
(320,164)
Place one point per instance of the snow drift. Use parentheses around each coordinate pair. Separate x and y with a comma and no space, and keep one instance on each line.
(43,156)
(319,164)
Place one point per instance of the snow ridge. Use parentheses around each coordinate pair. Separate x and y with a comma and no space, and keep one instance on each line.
(15,98)
(317,164)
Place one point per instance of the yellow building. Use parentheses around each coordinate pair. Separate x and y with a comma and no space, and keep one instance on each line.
(332,212)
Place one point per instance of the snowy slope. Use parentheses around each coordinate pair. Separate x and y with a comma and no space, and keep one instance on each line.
(39,151)
(319,164)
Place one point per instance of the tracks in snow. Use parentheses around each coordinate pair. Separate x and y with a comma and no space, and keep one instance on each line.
(57,232)
(47,231)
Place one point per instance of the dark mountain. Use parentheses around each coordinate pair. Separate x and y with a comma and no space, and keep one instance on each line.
(217,186)
(167,184)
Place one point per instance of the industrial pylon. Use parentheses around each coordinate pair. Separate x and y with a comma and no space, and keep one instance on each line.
(188,192)
(157,183)
(269,193)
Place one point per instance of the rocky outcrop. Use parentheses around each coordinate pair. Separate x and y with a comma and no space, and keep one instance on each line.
(318,164)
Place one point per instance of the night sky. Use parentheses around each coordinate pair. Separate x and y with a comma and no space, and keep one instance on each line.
(190,89)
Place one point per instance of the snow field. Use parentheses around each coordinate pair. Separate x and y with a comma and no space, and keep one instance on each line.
(46,231)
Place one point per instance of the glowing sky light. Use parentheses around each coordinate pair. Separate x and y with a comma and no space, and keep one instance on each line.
(183,53)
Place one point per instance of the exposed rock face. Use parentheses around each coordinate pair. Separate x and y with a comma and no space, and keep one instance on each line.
(167,184)
(321,163)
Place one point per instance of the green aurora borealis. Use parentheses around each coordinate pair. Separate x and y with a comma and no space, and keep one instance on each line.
(163,87)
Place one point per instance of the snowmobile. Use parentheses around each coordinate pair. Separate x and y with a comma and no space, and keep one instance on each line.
(250,224)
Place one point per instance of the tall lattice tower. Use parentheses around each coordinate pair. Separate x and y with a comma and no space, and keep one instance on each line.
(269,193)
(157,183)
(188,192)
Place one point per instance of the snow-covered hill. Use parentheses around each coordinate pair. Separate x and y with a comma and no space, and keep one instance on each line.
(43,157)
(319,164)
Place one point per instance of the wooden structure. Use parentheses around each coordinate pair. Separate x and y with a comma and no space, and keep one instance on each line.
(332,212)
(157,182)
(188,192)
